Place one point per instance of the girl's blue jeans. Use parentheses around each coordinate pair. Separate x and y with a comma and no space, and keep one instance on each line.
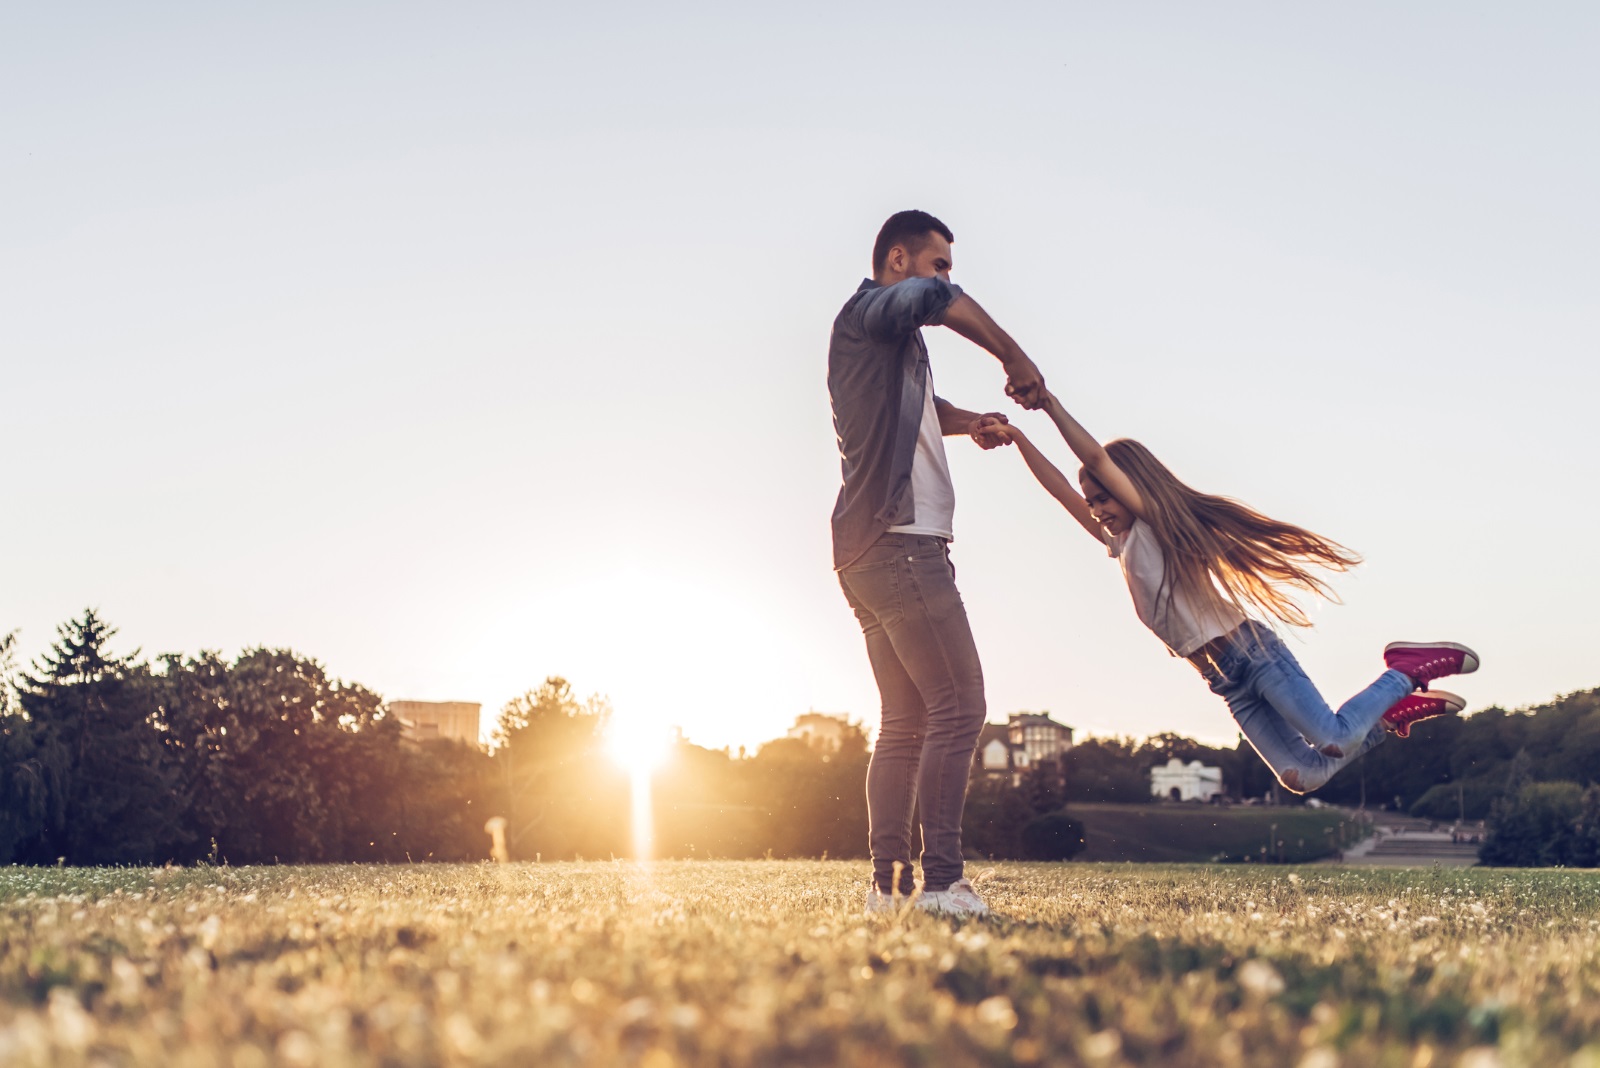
(1283,716)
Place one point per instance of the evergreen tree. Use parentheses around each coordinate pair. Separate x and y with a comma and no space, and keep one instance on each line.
(93,747)
(8,673)
(23,797)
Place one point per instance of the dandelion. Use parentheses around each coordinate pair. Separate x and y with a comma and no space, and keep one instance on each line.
(997,1012)
(1260,978)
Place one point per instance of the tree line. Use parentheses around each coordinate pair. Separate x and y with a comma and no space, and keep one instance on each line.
(108,759)
(1531,775)
(266,758)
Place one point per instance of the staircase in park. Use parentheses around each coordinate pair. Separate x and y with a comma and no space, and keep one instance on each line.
(1403,842)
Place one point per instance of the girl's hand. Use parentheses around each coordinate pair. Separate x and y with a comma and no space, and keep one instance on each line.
(1054,482)
(991,430)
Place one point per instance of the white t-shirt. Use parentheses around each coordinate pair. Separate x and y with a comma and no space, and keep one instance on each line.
(933,496)
(1172,616)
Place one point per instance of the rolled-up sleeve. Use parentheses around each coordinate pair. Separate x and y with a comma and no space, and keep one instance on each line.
(896,310)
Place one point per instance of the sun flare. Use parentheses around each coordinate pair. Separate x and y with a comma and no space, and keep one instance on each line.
(639,750)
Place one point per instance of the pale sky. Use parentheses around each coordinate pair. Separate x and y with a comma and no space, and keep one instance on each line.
(458,346)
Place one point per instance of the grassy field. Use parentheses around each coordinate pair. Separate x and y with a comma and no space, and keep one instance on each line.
(771,963)
(1201,833)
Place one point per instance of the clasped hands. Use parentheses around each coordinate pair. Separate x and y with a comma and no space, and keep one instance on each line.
(991,430)
(1025,385)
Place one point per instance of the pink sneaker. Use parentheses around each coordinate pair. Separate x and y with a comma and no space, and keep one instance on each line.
(1420,706)
(1426,661)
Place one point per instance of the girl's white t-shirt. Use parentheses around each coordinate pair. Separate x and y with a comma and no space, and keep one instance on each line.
(1171,614)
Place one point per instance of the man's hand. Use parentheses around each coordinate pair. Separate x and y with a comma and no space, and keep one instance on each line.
(990,430)
(1024,383)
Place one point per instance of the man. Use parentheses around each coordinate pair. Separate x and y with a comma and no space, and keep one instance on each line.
(891,531)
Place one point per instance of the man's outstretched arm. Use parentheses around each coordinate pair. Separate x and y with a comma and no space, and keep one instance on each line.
(1024,383)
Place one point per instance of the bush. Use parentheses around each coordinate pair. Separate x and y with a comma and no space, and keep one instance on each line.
(1586,832)
(1442,802)
(992,823)
(1537,828)
(1052,836)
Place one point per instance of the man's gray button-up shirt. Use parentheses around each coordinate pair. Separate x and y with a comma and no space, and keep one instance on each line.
(877,371)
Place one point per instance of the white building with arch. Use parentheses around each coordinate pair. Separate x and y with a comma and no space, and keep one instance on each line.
(1177,781)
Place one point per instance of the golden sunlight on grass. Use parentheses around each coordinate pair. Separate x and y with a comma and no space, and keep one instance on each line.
(772,962)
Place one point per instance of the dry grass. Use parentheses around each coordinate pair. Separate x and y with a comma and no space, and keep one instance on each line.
(771,963)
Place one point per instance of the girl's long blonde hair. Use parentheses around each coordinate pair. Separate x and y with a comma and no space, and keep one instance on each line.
(1220,552)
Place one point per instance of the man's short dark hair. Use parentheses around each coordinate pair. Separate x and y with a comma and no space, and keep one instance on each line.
(907,229)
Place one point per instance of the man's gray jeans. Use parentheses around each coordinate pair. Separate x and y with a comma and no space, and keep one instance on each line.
(903,591)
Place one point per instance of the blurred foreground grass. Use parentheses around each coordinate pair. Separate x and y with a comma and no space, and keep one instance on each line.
(771,963)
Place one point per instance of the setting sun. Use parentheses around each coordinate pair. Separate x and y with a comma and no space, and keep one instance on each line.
(639,750)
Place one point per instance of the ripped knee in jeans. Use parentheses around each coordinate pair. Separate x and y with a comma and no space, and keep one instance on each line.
(1331,750)
(1300,782)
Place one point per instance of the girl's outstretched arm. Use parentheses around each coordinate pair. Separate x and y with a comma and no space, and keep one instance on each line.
(1054,482)
(1093,455)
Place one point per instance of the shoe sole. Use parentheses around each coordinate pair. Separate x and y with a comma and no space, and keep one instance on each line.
(1453,704)
(1469,659)
(935,907)
(952,912)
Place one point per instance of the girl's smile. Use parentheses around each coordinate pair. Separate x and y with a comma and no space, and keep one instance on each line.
(1105,508)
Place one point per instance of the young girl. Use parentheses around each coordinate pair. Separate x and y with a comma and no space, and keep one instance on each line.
(1199,565)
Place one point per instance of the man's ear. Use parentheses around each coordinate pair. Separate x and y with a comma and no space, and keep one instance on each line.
(898,259)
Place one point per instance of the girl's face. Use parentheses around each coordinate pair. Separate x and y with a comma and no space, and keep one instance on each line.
(1107,511)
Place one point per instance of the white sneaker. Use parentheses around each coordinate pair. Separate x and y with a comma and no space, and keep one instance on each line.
(960,900)
(881,904)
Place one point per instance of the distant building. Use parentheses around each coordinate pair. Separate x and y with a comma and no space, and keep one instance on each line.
(1007,750)
(997,757)
(1041,737)
(821,730)
(424,721)
(1178,781)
